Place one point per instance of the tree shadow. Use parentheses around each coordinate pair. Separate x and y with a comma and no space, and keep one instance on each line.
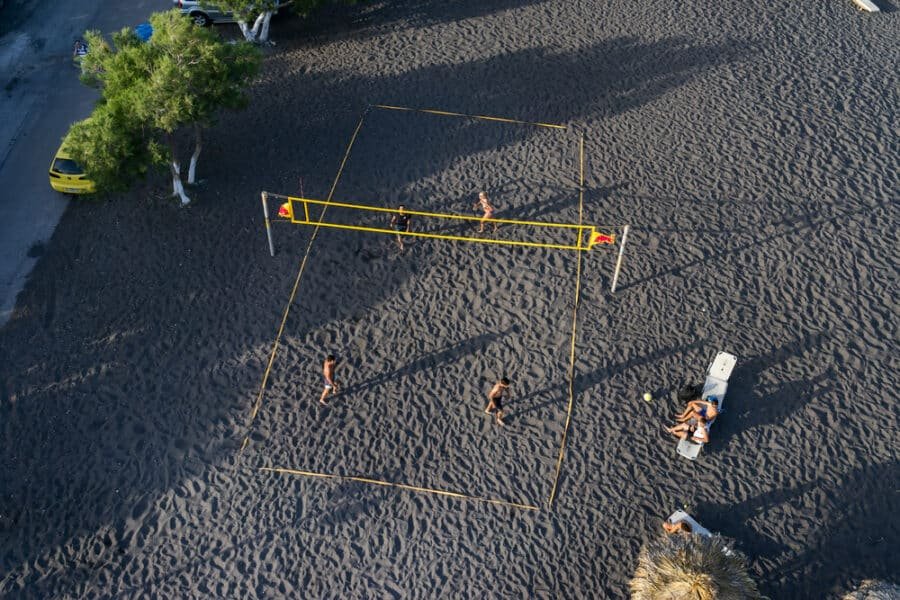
(365,20)
(613,76)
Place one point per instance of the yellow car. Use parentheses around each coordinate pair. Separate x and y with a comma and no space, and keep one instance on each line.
(67,176)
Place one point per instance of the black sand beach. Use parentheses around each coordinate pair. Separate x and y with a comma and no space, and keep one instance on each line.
(751,146)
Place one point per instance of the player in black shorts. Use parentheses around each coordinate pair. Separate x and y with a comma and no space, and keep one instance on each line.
(400,222)
(495,399)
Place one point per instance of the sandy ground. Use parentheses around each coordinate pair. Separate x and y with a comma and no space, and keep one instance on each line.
(752,146)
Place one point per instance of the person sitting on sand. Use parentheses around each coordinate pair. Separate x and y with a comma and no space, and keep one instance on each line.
(679,527)
(696,428)
(703,409)
(495,399)
(488,209)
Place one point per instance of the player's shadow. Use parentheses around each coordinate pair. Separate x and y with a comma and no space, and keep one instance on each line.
(450,353)
(513,413)
(586,381)
(529,403)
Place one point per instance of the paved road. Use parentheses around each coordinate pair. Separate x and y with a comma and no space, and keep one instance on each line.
(40,97)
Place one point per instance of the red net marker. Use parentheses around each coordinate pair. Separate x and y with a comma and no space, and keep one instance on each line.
(601,238)
(285,211)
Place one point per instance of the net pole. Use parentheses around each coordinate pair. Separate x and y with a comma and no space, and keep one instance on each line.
(619,260)
(265,197)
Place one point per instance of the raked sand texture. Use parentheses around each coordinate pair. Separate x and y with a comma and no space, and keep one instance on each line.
(753,148)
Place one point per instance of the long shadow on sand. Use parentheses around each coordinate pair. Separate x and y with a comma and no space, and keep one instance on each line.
(746,409)
(791,227)
(371,19)
(602,80)
(449,353)
(524,405)
(141,409)
(833,556)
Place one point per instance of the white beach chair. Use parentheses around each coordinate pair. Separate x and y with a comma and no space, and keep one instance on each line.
(679,515)
(696,528)
(867,5)
(715,387)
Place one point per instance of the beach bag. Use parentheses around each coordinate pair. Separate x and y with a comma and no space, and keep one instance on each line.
(689,392)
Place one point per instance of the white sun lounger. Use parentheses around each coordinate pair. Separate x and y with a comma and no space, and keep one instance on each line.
(696,528)
(679,515)
(867,5)
(715,387)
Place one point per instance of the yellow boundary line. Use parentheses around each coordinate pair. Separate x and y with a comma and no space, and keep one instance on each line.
(401,486)
(562,446)
(445,113)
(287,309)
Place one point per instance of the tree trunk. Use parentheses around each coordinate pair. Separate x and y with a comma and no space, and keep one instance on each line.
(256,26)
(248,35)
(198,146)
(177,186)
(264,33)
(260,30)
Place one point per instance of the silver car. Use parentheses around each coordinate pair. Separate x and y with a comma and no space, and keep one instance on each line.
(205,14)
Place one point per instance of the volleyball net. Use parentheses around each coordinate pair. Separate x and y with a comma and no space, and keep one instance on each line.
(441,226)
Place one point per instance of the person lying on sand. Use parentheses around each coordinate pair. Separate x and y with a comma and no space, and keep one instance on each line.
(703,409)
(495,399)
(488,209)
(328,375)
(400,222)
(696,428)
(679,527)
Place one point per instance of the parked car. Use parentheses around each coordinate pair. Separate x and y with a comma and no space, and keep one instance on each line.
(67,176)
(204,14)
(144,31)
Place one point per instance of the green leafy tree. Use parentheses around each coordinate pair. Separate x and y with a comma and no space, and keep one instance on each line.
(113,151)
(180,79)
